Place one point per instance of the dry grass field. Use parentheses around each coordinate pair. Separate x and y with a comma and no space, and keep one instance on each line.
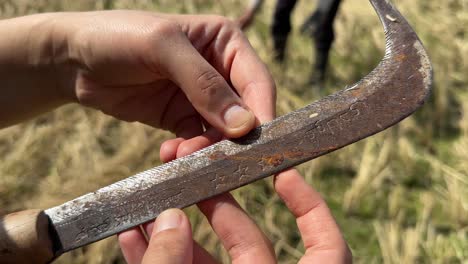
(400,196)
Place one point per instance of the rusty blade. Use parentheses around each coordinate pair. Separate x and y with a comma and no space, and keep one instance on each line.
(395,89)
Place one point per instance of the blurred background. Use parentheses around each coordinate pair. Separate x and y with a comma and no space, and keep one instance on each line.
(400,196)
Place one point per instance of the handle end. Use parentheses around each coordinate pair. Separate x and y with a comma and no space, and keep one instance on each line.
(25,238)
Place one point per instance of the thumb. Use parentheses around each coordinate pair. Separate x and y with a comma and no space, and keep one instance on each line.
(171,239)
(207,89)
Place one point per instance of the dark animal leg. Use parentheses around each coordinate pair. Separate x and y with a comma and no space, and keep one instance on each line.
(319,26)
(281,27)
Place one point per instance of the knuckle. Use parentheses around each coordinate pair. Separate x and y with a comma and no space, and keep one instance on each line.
(169,242)
(165,28)
(241,243)
(157,36)
(162,29)
(244,248)
(82,48)
(210,82)
(237,36)
(226,24)
(222,21)
(184,149)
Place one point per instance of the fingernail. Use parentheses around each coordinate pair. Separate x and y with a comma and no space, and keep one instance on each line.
(237,116)
(168,219)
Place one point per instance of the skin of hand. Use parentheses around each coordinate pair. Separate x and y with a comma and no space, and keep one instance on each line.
(180,73)
(171,236)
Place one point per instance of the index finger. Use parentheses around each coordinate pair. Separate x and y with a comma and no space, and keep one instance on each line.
(225,46)
(251,78)
(320,233)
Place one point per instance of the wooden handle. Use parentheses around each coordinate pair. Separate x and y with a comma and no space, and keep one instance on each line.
(24,238)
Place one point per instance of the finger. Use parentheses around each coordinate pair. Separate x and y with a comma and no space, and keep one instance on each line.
(171,239)
(241,248)
(179,116)
(241,237)
(201,256)
(179,147)
(191,129)
(320,233)
(205,88)
(232,55)
(133,245)
(189,146)
(251,78)
(168,150)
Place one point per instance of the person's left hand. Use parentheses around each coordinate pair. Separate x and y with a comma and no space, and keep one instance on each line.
(182,73)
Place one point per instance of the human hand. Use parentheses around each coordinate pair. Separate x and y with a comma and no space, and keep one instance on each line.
(176,72)
(171,237)
(240,236)
(169,71)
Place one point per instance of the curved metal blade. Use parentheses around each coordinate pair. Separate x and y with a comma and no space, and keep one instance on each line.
(397,87)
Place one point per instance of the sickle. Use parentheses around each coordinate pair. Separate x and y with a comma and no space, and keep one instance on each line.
(398,86)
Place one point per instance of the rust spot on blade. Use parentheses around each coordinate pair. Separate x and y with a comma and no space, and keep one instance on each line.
(273,160)
(400,57)
(218,155)
(270,160)
(357,92)
(278,158)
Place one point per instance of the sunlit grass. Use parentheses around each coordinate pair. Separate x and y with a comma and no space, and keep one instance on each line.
(399,197)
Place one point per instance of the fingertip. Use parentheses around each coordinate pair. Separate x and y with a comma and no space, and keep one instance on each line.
(133,245)
(169,148)
(238,121)
(261,98)
(169,219)
(287,180)
(318,228)
(171,239)
(189,146)
(186,148)
(128,237)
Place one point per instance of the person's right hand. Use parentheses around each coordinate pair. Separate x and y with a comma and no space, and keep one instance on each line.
(238,233)
(171,235)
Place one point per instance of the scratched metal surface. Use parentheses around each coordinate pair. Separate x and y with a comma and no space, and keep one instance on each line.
(396,88)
